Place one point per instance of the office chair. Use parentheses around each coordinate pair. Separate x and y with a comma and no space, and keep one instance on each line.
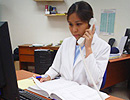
(43,60)
(111,41)
(16,54)
(104,80)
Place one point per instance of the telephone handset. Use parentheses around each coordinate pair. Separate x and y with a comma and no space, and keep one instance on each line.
(81,40)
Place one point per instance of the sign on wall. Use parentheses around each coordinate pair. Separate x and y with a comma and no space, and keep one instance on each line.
(107,21)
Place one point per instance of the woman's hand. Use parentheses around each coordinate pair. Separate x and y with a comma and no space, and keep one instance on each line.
(46,78)
(88,35)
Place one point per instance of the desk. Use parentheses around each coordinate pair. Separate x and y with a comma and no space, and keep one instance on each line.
(118,70)
(22,74)
(26,54)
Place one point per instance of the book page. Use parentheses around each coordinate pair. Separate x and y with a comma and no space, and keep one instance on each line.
(81,92)
(37,90)
(54,85)
(69,90)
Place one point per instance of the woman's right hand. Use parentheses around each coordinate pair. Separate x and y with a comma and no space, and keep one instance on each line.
(46,78)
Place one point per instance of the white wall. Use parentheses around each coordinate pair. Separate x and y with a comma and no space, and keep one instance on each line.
(29,25)
(122,20)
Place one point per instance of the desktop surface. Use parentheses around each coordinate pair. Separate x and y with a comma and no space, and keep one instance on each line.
(122,57)
(22,74)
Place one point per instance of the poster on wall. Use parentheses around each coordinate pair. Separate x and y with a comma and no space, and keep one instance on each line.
(107,21)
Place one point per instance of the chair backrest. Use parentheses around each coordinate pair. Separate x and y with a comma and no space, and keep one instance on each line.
(16,54)
(43,60)
(104,79)
(111,41)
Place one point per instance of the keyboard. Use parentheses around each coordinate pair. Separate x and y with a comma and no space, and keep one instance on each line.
(25,95)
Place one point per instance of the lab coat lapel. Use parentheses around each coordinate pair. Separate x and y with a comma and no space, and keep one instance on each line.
(72,52)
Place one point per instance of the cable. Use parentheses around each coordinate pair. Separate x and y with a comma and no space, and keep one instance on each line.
(95,86)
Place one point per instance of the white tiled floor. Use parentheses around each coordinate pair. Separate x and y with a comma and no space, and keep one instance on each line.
(120,90)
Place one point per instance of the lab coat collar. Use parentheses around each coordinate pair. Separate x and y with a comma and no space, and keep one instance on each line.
(95,36)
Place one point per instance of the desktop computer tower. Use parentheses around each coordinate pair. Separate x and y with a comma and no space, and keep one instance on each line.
(43,60)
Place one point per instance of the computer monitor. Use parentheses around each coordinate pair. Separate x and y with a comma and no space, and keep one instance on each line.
(127,44)
(8,81)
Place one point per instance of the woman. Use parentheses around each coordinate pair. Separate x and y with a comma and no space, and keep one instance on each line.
(68,62)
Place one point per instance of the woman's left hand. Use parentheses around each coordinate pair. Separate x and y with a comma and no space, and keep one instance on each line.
(88,35)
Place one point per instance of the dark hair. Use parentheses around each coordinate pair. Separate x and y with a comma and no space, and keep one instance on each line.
(82,9)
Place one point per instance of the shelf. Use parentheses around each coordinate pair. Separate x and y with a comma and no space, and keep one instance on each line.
(55,14)
(48,0)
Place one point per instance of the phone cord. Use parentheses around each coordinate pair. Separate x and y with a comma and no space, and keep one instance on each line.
(95,86)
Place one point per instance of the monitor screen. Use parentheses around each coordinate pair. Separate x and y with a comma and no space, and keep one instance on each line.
(127,44)
(8,81)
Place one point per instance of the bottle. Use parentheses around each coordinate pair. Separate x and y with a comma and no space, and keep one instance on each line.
(46,9)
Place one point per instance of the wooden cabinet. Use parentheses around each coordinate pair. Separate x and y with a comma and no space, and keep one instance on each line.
(26,54)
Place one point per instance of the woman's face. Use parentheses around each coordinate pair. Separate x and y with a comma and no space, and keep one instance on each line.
(76,26)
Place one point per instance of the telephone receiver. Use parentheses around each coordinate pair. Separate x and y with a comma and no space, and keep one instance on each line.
(91,22)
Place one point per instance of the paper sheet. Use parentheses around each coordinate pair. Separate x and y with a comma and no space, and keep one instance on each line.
(122,44)
(107,21)
(25,83)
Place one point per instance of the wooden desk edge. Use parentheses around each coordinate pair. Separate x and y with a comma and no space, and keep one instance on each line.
(123,57)
(22,74)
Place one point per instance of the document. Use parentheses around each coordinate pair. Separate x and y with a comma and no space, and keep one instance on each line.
(114,56)
(61,89)
(122,44)
(107,21)
(25,83)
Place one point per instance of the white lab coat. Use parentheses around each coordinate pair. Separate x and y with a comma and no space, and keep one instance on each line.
(96,62)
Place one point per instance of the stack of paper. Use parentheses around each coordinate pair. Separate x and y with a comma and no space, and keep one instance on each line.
(114,56)
(25,83)
(37,45)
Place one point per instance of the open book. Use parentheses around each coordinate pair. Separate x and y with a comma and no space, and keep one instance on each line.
(61,89)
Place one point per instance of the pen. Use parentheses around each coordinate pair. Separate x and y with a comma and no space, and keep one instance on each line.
(42,76)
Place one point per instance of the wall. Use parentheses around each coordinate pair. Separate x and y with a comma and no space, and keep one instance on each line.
(29,25)
(122,16)
(0,10)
